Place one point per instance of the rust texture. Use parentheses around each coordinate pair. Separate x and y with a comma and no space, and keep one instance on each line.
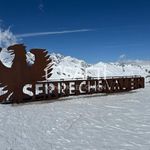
(21,73)
(110,85)
(25,83)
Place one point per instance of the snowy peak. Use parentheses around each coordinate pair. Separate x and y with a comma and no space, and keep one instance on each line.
(56,57)
(67,67)
(70,68)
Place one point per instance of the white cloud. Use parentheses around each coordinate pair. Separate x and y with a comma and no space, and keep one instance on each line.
(123,56)
(7,38)
(52,33)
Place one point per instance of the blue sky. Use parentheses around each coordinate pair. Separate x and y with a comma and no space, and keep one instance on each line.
(115,27)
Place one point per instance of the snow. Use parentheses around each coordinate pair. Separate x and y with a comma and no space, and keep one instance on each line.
(117,121)
(67,67)
(6,57)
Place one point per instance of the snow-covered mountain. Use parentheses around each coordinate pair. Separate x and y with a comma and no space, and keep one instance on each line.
(67,67)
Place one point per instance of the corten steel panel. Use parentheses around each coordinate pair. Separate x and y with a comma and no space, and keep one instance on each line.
(21,74)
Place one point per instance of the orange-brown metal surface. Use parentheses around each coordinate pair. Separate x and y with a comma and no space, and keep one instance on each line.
(21,74)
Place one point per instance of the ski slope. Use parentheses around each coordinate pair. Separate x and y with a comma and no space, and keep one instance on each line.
(98,122)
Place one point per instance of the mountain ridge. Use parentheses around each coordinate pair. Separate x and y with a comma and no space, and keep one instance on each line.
(67,67)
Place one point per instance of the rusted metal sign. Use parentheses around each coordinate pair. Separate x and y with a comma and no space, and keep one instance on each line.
(24,82)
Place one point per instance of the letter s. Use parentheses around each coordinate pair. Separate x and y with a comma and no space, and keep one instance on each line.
(27,89)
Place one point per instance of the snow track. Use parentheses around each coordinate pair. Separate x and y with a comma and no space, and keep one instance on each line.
(98,122)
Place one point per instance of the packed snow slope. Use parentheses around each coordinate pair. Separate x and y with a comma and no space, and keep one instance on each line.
(98,122)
